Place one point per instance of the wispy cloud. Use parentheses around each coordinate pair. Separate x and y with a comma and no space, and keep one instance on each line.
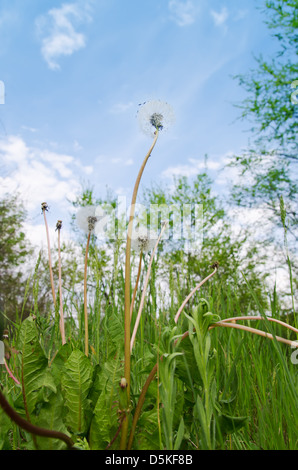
(57,31)
(192,168)
(119,108)
(220,17)
(183,12)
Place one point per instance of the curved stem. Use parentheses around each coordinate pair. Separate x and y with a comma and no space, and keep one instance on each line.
(136,286)
(62,330)
(29,427)
(193,292)
(50,258)
(85,297)
(127,292)
(255,331)
(140,405)
(252,317)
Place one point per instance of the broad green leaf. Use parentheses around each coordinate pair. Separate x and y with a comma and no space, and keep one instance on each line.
(59,361)
(100,430)
(147,435)
(5,428)
(76,381)
(51,417)
(35,372)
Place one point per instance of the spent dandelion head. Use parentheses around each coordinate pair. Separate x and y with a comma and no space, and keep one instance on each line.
(59,225)
(86,218)
(44,207)
(155,115)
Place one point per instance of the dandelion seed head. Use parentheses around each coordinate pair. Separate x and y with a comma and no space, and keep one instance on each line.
(143,240)
(155,115)
(86,218)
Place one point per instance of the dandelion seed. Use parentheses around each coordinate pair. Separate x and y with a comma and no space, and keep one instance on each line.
(155,115)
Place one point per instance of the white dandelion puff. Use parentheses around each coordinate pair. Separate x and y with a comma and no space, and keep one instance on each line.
(143,240)
(155,115)
(87,218)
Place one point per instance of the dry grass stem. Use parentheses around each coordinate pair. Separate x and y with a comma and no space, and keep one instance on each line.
(194,291)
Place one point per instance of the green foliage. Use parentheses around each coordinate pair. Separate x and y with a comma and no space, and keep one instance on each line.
(75,383)
(269,85)
(268,170)
(14,252)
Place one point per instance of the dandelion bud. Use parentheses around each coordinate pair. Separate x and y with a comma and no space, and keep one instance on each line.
(123,383)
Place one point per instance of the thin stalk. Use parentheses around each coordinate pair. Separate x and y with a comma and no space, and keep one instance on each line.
(136,285)
(61,322)
(85,297)
(255,331)
(215,266)
(127,292)
(140,405)
(283,219)
(133,337)
(11,374)
(44,208)
(252,317)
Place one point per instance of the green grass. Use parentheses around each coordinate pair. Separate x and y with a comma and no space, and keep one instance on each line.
(218,389)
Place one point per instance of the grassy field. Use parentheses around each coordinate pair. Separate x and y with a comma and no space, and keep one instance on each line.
(149,359)
(213,388)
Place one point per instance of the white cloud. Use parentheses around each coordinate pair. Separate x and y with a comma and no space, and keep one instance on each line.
(220,17)
(37,174)
(192,168)
(183,12)
(58,34)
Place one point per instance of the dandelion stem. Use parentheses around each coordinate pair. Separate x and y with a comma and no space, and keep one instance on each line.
(49,252)
(127,291)
(144,290)
(140,405)
(136,285)
(257,317)
(253,330)
(85,297)
(61,323)
(194,291)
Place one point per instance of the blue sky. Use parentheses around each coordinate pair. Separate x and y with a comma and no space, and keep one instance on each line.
(76,71)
